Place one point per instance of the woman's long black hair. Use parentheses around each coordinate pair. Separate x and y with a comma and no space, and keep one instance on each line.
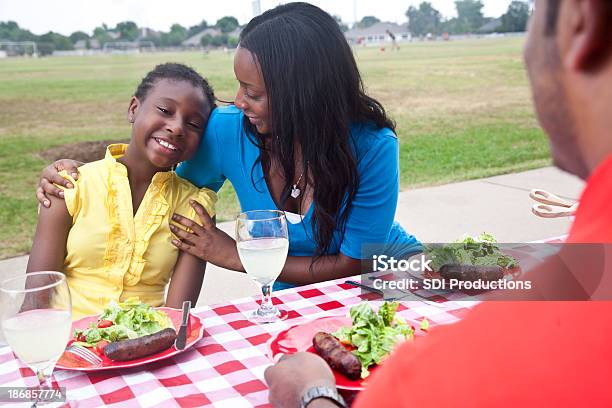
(315,93)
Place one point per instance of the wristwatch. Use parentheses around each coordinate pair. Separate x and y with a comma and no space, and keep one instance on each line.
(322,392)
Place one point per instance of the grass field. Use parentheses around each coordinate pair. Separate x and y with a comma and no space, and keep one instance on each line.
(462,108)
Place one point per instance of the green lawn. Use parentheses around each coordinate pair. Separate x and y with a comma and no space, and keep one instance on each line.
(462,108)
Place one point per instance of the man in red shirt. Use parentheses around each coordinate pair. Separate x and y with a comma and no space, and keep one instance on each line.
(517,354)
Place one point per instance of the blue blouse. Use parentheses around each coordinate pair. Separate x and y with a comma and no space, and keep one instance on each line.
(226,153)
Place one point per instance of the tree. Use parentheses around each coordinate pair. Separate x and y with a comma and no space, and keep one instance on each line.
(367,21)
(101,34)
(128,31)
(78,36)
(342,26)
(47,43)
(424,20)
(206,40)
(469,15)
(175,37)
(193,30)
(449,26)
(59,41)
(232,42)
(219,40)
(227,24)
(515,19)
(45,48)
(11,31)
(8,27)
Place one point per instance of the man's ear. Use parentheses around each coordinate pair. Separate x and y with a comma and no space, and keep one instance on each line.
(588,39)
(132,109)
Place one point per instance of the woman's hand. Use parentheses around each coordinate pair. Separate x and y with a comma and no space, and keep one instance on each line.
(206,241)
(50,176)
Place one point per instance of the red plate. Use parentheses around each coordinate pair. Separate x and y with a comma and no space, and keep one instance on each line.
(299,338)
(69,361)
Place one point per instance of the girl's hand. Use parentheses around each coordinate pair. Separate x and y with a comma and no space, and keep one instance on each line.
(206,242)
(50,176)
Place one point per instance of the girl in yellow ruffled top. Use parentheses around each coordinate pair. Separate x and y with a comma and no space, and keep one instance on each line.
(110,235)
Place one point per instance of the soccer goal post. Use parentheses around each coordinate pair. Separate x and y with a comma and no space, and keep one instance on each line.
(19,48)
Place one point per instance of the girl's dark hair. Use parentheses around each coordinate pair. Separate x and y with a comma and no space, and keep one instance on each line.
(315,93)
(176,72)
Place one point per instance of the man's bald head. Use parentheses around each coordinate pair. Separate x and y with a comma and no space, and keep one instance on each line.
(569,59)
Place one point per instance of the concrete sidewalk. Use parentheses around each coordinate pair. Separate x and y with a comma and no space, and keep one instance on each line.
(499,205)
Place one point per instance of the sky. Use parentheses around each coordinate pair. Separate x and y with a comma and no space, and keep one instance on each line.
(68,16)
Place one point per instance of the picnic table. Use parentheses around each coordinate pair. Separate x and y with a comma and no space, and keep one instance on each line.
(225,368)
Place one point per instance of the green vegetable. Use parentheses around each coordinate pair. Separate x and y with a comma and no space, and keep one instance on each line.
(424,324)
(131,319)
(480,251)
(374,335)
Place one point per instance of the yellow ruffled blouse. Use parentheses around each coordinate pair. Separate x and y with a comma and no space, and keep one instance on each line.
(113,254)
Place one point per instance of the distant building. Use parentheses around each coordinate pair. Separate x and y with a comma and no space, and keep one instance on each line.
(195,40)
(146,32)
(492,26)
(82,44)
(377,34)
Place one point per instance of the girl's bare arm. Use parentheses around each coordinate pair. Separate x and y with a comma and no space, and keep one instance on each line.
(49,245)
(186,280)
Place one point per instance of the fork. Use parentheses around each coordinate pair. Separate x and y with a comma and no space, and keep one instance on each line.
(85,354)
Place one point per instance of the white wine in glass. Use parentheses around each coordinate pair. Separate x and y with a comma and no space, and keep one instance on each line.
(36,320)
(263,242)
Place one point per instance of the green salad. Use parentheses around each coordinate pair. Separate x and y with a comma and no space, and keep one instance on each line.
(126,320)
(479,251)
(374,335)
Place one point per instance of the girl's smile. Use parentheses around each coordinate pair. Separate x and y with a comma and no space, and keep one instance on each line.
(168,124)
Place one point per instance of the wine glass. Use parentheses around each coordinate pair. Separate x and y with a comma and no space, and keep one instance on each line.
(263,243)
(36,319)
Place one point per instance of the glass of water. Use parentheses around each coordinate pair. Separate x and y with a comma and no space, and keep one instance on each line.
(263,243)
(36,319)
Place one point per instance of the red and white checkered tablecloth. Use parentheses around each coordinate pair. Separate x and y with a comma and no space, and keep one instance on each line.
(226,367)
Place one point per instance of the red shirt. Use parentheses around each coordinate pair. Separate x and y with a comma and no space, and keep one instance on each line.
(593,221)
(514,354)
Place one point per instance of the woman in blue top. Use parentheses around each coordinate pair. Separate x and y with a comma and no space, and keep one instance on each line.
(302,137)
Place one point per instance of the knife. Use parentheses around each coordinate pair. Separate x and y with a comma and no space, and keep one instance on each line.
(374,290)
(365,287)
(181,338)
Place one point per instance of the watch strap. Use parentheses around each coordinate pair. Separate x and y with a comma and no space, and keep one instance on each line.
(322,392)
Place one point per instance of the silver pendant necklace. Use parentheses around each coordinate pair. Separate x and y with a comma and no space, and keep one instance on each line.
(295,191)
